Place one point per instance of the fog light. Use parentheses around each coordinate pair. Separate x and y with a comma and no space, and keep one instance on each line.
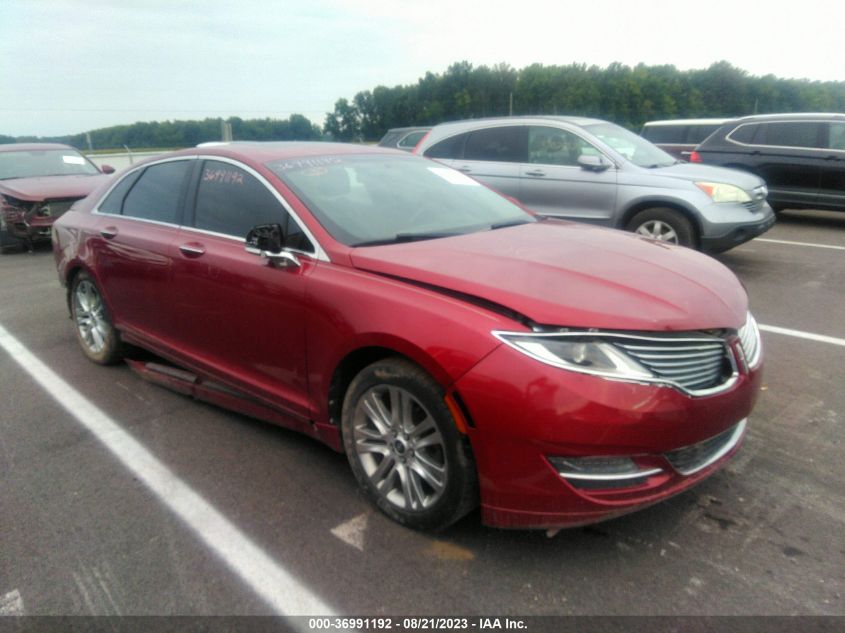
(601,472)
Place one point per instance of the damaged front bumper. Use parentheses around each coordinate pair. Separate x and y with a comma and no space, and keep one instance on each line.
(29,222)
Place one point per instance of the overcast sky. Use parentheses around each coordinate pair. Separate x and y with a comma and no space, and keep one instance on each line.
(68,66)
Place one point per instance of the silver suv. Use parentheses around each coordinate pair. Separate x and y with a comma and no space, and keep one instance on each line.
(594,171)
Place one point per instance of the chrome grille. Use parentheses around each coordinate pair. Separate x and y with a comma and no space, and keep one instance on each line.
(758,197)
(749,338)
(691,459)
(693,364)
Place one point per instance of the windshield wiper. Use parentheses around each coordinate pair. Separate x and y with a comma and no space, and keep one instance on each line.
(407,237)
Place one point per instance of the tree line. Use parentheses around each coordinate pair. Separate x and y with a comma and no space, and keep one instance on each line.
(626,95)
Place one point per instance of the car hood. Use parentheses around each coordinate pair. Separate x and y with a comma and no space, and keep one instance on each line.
(573,275)
(49,187)
(694,172)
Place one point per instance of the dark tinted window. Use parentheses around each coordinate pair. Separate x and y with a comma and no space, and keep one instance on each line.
(412,139)
(665,133)
(114,201)
(698,133)
(790,134)
(836,136)
(156,194)
(744,133)
(502,144)
(232,201)
(452,147)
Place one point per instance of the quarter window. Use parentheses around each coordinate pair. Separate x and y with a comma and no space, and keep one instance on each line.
(500,144)
(114,201)
(552,146)
(231,201)
(744,133)
(156,194)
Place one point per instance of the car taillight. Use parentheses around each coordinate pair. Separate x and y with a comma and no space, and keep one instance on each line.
(695,157)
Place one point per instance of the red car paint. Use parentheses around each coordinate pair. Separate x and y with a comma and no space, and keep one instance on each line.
(29,206)
(280,336)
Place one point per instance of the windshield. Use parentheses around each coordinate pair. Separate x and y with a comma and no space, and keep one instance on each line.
(633,147)
(381,199)
(49,162)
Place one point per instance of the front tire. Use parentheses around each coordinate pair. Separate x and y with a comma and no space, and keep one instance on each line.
(404,447)
(97,337)
(663,224)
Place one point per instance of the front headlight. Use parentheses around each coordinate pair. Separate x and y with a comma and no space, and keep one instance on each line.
(585,354)
(722,192)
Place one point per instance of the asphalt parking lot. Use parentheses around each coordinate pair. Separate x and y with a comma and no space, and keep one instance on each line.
(246,518)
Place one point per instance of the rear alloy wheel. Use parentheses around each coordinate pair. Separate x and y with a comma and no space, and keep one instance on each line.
(99,340)
(663,224)
(404,447)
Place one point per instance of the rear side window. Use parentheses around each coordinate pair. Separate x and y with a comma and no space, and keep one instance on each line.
(114,201)
(789,134)
(501,144)
(410,141)
(157,192)
(665,133)
(452,147)
(836,136)
(231,201)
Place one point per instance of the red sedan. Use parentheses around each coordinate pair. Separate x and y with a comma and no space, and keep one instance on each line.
(38,183)
(458,349)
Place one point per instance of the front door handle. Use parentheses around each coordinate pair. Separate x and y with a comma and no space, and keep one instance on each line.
(464,169)
(109,232)
(192,249)
(536,172)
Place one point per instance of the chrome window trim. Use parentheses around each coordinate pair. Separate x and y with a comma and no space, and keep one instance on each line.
(727,447)
(655,381)
(240,240)
(318,254)
(790,147)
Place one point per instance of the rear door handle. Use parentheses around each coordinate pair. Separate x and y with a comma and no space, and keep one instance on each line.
(109,232)
(464,169)
(536,172)
(192,249)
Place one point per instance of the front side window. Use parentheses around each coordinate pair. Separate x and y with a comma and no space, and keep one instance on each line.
(500,144)
(552,146)
(232,201)
(633,147)
(156,194)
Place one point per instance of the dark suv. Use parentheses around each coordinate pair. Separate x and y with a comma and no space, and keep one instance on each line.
(800,156)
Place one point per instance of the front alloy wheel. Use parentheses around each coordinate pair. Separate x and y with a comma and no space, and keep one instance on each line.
(404,447)
(663,224)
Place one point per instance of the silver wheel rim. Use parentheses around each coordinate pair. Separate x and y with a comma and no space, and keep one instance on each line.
(658,230)
(400,448)
(90,316)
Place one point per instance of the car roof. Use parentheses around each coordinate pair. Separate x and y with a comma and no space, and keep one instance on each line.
(793,116)
(520,119)
(717,121)
(263,151)
(29,147)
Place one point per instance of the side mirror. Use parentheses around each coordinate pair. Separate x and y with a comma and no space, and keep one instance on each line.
(107,169)
(267,241)
(593,163)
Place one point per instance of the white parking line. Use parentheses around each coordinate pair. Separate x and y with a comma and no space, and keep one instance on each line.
(272,582)
(790,243)
(821,338)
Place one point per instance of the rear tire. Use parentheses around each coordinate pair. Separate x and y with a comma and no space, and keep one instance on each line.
(97,337)
(663,224)
(404,447)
